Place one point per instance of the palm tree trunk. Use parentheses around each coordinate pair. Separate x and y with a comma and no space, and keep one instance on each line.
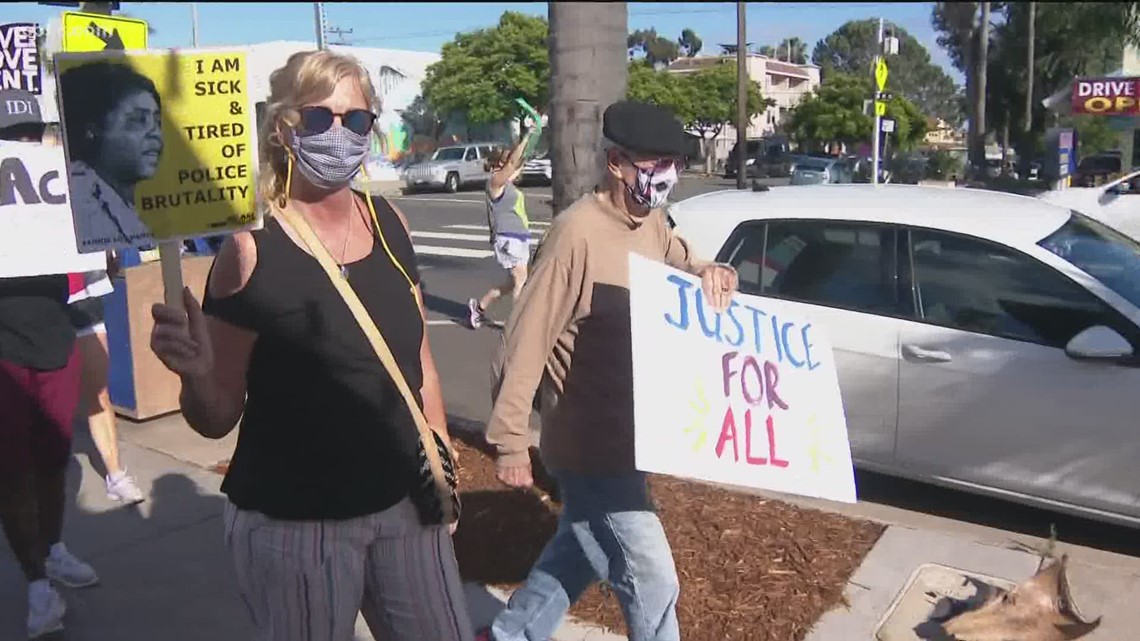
(1027,126)
(978,118)
(588,73)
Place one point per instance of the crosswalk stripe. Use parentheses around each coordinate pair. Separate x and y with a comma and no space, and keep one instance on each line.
(483,228)
(456,252)
(440,235)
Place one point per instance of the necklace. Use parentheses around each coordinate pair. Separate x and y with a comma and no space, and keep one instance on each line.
(347,236)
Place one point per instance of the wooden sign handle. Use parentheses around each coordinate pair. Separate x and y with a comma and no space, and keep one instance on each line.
(170,255)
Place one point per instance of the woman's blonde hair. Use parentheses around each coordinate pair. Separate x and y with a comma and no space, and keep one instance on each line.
(307,77)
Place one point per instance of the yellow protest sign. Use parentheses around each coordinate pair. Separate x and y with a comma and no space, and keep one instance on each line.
(880,108)
(881,73)
(160,145)
(94,32)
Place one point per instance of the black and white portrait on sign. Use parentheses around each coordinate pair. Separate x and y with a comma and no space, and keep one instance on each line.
(112,119)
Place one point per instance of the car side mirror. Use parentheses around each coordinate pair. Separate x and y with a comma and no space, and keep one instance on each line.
(1098,343)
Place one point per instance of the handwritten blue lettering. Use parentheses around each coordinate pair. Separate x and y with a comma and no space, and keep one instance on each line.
(682,286)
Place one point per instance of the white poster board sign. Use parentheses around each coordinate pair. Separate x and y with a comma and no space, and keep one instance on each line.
(749,397)
(36,231)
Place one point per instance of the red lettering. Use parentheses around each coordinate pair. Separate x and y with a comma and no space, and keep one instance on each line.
(752,460)
(778,462)
(771,379)
(727,432)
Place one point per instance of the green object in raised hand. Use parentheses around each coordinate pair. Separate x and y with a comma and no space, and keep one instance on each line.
(536,132)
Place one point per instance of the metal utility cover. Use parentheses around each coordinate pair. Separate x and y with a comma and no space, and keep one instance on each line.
(931,594)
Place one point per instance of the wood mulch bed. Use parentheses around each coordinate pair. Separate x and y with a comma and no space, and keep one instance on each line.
(751,568)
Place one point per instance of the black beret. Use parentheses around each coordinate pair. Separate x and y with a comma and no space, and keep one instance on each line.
(643,128)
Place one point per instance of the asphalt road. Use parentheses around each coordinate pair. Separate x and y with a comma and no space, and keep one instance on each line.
(449,231)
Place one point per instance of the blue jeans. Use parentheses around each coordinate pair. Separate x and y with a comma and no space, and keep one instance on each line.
(608,531)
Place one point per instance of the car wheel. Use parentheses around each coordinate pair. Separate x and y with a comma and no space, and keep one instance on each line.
(452,183)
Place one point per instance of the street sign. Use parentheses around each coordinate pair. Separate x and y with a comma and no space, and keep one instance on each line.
(880,108)
(881,73)
(888,126)
(94,32)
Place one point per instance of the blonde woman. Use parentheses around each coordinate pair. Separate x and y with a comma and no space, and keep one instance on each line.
(319,520)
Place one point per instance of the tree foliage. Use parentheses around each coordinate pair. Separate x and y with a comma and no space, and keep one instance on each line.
(835,114)
(655,49)
(850,50)
(690,43)
(482,72)
(705,100)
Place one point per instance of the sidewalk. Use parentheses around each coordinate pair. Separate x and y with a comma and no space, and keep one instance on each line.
(166,574)
(164,571)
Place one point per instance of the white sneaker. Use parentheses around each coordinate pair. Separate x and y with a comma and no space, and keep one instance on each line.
(63,567)
(45,609)
(121,487)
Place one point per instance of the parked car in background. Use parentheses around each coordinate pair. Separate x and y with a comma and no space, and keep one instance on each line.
(451,168)
(1097,169)
(810,170)
(1116,204)
(538,169)
(984,341)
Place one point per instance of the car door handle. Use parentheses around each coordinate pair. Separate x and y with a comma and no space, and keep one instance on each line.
(926,355)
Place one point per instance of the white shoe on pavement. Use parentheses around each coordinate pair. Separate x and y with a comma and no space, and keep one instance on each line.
(45,609)
(63,567)
(475,316)
(121,487)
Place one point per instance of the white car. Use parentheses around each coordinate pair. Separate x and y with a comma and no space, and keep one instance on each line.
(1116,204)
(538,169)
(984,341)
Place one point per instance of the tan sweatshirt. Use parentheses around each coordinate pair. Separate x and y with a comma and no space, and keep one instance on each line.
(570,331)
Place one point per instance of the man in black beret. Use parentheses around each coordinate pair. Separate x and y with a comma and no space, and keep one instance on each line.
(569,337)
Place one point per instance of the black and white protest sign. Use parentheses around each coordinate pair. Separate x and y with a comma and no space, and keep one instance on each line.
(37,235)
(19,58)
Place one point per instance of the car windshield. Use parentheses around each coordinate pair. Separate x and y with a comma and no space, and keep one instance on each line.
(1101,252)
(817,164)
(449,153)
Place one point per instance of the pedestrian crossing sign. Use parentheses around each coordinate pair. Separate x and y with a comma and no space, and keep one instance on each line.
(96,32)
(880,108)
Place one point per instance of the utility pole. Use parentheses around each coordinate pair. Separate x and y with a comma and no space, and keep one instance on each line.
(1027,126)
(741,95)
(194,24)
(588,73)
(319,11)
(878,119)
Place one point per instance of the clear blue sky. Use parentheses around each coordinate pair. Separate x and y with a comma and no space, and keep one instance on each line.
(425,27)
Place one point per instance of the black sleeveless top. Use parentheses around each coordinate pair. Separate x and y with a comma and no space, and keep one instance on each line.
(326,433)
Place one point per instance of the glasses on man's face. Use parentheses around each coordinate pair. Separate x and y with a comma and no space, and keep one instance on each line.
(318,119)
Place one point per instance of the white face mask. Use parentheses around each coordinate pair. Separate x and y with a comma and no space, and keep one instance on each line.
(653,187)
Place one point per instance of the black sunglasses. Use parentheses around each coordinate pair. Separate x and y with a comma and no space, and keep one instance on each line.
(317,120)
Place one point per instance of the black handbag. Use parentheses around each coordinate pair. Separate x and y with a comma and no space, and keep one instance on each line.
(434,492)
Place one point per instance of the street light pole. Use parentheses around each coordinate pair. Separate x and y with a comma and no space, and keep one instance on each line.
(741,95)
(319,10)
(194,24)
(874,104)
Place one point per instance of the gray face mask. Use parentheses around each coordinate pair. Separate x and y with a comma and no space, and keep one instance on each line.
(330,159)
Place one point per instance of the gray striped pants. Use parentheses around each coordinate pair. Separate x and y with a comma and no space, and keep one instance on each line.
(307,580)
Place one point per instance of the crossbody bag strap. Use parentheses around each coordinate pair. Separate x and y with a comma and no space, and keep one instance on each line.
(317,249)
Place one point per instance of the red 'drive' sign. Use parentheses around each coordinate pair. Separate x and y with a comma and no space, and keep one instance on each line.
(1106,96)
